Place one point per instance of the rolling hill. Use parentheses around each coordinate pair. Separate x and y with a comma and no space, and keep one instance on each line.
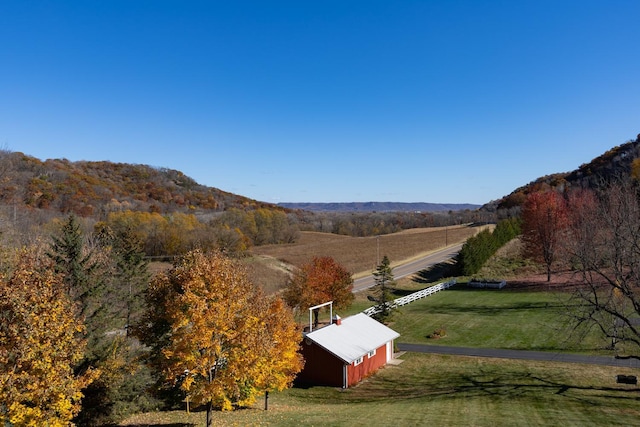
(380,207)
(93,188)
(620,162)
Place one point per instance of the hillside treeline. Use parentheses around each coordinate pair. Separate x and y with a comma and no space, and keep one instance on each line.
(162,235)
(233,231)
(478,249)
(377,223)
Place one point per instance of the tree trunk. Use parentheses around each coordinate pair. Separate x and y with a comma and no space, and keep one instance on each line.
(209,413)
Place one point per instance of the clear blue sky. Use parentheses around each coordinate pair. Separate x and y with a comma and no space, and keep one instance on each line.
(325,101)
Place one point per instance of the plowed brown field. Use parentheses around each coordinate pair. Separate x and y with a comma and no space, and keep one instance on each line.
(362,254)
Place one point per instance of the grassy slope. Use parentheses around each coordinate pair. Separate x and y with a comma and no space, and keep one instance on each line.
(446,391)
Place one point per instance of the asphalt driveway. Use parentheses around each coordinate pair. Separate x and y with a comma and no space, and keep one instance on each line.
(520,354)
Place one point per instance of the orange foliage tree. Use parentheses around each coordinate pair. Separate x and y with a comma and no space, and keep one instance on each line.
(216,335)
(40,343)
(544,219)
(321,280)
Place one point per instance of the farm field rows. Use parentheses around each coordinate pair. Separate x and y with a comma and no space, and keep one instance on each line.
(361,254)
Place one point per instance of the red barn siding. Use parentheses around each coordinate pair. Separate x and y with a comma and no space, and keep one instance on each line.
(367,367)
(321,367)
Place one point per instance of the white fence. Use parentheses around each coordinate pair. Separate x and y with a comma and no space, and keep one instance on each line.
(399,302)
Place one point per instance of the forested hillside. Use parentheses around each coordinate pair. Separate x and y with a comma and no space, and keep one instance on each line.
(170,212)
(92,189)
(620,162)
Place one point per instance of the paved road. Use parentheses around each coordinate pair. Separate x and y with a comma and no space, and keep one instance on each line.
(520,354)
(411,267)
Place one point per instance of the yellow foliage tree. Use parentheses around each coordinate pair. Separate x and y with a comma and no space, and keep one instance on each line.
(40,342)
(223,341)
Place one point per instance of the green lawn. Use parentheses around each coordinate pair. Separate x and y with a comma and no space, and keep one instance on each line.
(494,319)
(447,391)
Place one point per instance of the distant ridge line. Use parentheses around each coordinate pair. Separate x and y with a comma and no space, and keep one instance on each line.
(379,206)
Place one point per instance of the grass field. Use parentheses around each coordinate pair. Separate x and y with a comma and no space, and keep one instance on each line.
(445,391)
(511,319)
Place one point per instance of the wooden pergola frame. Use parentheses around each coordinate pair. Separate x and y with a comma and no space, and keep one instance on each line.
(330,304)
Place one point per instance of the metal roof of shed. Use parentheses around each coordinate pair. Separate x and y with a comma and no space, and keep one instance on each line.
(354,337)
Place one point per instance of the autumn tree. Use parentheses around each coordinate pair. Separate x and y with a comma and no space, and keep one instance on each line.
(41,341)
(321,280)
(604,246)
(383,276)
(259,226)
(216,336)
(544,219)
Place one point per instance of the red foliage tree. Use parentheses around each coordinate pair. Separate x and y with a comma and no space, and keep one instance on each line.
(544,219)
(321,280)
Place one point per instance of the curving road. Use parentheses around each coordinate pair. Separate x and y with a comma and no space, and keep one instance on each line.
(411,267)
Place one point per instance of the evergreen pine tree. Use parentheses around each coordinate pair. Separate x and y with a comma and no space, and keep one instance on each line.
(67,253)
(384,279)
(79,274)
(132,273)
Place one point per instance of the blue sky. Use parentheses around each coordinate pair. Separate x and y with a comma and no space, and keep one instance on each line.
(324,101)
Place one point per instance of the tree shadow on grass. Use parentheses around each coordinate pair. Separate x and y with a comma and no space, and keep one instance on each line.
(435,273)
(491,383)
(163,425)
(428,276)
(398,293)
(490,310)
